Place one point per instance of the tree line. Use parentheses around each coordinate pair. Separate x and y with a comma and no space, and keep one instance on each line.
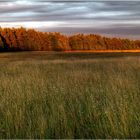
(21,39)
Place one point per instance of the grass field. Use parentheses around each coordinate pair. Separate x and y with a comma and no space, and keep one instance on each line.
(69,95)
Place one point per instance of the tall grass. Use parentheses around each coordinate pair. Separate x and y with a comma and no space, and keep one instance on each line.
(70,98)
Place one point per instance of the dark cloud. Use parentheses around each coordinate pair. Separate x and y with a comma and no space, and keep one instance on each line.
(120,18)
(122,32)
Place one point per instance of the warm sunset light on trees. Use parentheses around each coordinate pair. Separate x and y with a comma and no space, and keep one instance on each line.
(22,39)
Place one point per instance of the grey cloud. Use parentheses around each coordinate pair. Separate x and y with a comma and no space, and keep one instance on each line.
(64,11)
(130,32)
(72,12)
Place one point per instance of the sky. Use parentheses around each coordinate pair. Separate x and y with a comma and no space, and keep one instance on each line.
(110,18)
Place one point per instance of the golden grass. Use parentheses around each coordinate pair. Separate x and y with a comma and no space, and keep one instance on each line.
(58,96)
(104,51)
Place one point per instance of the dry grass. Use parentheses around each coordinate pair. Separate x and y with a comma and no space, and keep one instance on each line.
(105,51)
(69,96)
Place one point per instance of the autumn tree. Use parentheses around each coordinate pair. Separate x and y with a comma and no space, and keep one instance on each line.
(3,40)
(22,39)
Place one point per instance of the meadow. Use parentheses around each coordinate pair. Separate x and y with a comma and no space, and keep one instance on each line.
(69,95)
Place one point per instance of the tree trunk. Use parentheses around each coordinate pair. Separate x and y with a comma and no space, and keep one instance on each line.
(5,45)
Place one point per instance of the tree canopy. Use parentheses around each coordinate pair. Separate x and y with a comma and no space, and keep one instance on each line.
(21,39)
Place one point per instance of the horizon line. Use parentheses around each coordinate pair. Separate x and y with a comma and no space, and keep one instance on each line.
(72,34)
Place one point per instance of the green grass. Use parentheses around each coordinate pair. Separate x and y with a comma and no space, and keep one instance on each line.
(76,95)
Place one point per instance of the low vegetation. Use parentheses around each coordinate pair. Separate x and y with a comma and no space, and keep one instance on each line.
(71,95)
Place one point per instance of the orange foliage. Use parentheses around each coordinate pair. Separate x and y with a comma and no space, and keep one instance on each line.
(22,39)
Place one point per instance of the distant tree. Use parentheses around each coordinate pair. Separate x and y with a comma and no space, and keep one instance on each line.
(28,39)
(3,42)
(76,42)
(137,43)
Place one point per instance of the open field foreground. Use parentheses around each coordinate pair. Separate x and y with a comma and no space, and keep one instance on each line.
(69,95)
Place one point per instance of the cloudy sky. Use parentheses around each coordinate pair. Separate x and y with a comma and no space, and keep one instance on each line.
(110,18)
